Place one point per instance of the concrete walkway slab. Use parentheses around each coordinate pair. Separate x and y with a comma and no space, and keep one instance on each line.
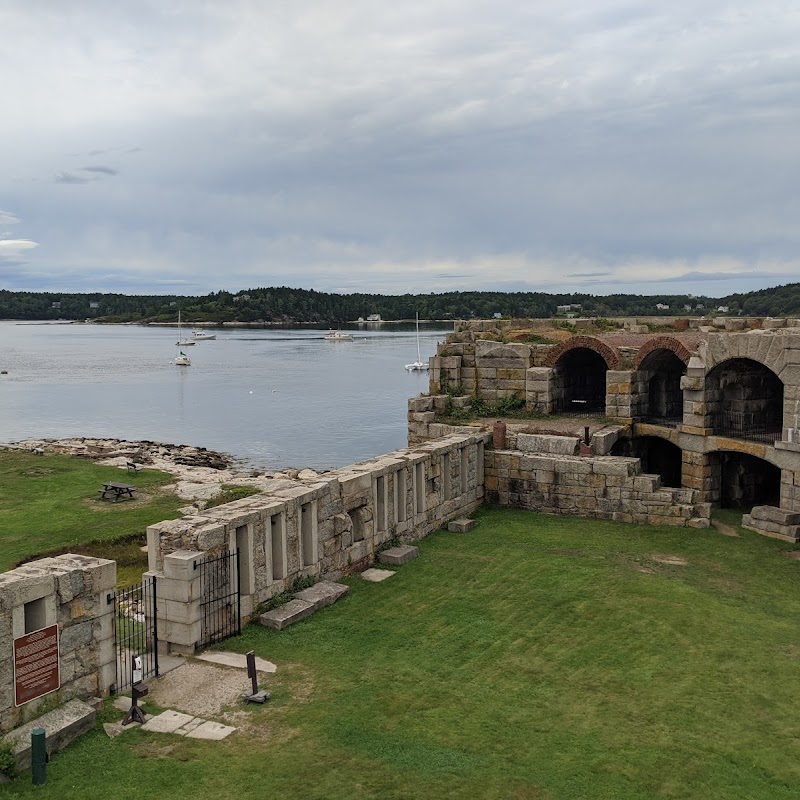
(376,575)
(167,722)
(237,660)
(186,729)
(211,730)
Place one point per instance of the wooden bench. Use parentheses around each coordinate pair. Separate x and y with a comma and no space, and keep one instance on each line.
(134,467)
(117,491)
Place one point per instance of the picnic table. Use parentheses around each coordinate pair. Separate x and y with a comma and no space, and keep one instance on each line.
(117,491)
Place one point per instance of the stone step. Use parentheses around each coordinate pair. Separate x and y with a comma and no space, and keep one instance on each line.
(62,726)
(324,593)
(461,525)
(288,614)
(397,556)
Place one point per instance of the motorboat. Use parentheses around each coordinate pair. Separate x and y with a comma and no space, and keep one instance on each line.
(200,336)
(338,336)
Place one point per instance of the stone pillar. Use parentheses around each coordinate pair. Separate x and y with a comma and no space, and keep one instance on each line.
(179,613)
(695,410)
(790,490)
(698,473)
(539,389)
(619,393)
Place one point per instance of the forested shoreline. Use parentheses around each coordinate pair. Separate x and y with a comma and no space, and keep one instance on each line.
(284,305)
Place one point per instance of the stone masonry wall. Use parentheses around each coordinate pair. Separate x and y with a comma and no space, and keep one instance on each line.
(71,591)
(602,487)
(322,528)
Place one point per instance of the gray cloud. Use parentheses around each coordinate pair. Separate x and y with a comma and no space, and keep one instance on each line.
(101,169)
(554,146)
(70,178)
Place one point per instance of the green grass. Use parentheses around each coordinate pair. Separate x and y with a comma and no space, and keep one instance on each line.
(50,504)
(535,657)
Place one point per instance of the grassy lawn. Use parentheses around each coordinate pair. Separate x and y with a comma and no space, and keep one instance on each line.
(50,503)
(536,657)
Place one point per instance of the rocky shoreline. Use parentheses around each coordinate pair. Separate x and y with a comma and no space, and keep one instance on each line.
(200,473)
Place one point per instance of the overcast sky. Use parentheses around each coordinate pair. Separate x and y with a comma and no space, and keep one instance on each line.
(187,146)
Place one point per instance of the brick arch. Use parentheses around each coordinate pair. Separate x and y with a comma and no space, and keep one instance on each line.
(662,343)
(610,356)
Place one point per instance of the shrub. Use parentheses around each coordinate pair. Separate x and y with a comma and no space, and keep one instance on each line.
(230,493)
(8,761)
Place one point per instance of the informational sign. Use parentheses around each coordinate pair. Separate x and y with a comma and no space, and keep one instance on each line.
(36,670)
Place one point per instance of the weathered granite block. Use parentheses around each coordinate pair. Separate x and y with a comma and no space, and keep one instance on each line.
(324,593)
(288,614)
(62,725)
(461,525)
(397,556)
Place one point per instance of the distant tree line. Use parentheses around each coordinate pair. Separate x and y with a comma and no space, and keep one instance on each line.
(284,305)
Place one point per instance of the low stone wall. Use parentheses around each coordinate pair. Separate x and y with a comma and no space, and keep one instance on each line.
(70,591)
(323,527)
(602,487)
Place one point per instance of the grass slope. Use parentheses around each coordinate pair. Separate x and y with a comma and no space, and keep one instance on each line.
(536,657)
(51,503)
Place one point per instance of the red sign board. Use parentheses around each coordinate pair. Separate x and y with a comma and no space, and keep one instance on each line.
(36,669)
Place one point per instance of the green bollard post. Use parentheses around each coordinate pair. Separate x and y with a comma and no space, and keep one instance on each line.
(38,757)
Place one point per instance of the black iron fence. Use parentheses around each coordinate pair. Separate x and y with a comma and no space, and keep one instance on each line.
(744,425)
(135,630)
(571,407)
(219,588)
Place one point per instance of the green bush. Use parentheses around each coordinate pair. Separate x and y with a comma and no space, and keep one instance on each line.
(230,493)
(8,761)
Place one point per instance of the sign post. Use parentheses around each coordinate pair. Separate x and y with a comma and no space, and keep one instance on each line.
(256,696)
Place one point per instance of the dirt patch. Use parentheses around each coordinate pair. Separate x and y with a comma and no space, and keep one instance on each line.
(200,689)
(793,554)
(725,530)
(675,561)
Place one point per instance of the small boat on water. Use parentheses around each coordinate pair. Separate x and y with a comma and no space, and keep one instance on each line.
(199,336)
(185,343)
(181,360)
(419,365)
(338,336)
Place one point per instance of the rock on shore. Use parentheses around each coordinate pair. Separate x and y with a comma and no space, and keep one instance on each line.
(200,473)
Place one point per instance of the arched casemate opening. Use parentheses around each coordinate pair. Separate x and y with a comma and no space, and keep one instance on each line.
(658,457)
(742,481)
(744,400)
(661,396)
(579,382)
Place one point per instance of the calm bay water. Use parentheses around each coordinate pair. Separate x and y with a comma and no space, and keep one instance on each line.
(273,398)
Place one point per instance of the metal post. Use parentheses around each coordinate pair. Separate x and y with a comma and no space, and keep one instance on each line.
(586,438)
(38,757)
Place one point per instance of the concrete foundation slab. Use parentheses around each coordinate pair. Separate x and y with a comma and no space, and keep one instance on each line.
(288,614)
(237,660)
(211,730)
(324,593)
(376,575)
(461,525)
(167,722)
(397,556)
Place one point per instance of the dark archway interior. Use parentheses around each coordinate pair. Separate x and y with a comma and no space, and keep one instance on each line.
(662,371)
(745,400)
(580,381)
(746,481)
(658,457)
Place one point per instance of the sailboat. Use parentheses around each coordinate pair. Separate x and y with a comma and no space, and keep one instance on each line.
(418,365)
(181,360)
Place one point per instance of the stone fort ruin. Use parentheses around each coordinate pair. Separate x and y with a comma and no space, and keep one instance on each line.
(644,421)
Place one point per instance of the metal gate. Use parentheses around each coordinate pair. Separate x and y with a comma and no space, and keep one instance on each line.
(219,588)
(135,630)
